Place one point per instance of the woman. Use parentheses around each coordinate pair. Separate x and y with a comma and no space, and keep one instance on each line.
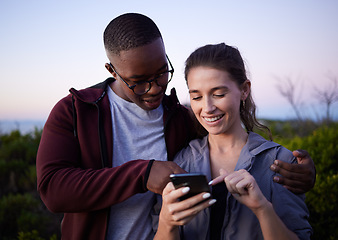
(249,204)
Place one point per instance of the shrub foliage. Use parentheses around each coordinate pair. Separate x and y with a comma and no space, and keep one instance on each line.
(322,145)
(24,216)
(22,213)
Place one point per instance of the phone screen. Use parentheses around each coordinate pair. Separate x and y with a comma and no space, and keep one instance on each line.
(196,181)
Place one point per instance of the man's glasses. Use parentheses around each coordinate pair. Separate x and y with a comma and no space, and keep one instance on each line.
(143,87)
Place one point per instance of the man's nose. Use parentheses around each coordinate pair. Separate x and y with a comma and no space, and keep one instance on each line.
(154,88)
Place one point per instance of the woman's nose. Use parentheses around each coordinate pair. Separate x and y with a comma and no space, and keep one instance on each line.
(209,106)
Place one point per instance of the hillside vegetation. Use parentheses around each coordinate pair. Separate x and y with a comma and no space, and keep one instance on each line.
(24,216)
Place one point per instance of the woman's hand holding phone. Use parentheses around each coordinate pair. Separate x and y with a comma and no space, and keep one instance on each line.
(178,212)
(181,203)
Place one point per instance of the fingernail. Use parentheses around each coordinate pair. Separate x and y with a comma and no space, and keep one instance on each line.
(276,179)
(206,195)
(212,201)
(186,189)
(210,182)
(276,162)
(273,167)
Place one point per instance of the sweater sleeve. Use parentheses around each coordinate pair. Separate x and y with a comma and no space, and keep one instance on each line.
(70,182)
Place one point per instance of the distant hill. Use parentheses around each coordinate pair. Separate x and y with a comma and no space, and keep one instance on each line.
(25,126)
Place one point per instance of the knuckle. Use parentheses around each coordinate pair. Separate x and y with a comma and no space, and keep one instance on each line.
(171,211)
(175,218)
(195,211)
(276,168)
(189,204)
(181,223)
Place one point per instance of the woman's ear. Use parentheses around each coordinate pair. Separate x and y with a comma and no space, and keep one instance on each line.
(246,89)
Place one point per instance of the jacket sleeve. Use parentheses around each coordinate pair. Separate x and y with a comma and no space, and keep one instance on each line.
(63,182)
(290,207)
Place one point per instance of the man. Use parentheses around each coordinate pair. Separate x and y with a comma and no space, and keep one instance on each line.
(85,165)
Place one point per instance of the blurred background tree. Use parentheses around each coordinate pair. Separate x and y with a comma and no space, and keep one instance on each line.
(328,95)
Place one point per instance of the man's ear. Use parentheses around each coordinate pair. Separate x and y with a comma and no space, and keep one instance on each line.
(109,68)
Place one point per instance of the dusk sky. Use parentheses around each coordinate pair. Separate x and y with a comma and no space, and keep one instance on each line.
(47,47)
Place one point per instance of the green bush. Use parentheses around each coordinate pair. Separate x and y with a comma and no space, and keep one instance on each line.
(17,162)
(17,146)
(22,213)
(33,235)
(23,216)
(322,146)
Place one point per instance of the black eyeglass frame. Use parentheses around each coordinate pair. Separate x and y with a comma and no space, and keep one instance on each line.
(148,81)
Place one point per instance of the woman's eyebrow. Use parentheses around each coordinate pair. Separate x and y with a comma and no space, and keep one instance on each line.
(220,88)
(212,90)
(193,91)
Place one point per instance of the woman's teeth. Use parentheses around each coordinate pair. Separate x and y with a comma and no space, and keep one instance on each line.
(213,118)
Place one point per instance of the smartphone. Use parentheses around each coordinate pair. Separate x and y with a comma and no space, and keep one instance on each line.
(196,181)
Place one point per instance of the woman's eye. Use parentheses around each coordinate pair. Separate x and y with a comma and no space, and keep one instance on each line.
(219,95)
(196,98)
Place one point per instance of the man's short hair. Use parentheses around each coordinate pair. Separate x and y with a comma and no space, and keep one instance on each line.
(129,31)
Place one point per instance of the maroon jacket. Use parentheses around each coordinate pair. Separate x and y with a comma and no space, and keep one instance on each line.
(74,169)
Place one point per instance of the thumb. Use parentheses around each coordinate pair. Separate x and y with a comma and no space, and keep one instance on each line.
(302,156)
(168,188)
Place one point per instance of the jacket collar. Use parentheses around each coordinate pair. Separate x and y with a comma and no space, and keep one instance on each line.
(254,146)
(95,93)
(92,94)
(257,144)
